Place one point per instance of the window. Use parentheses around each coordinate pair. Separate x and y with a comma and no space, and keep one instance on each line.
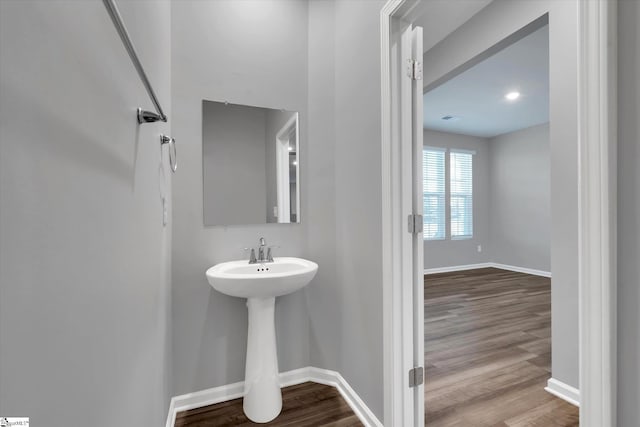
(461,193)
(433,190)
(457,185)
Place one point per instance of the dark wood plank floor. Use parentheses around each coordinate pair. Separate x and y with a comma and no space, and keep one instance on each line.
(488,351)
(303,405)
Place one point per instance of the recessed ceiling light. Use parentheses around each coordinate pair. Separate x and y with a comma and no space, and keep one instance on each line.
(290,148)
(512,96)
(295,163)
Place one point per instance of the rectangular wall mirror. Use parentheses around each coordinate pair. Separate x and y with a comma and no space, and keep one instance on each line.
(250,164)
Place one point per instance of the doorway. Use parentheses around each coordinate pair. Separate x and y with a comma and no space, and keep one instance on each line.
(592,116)
(487,241)
(288,175)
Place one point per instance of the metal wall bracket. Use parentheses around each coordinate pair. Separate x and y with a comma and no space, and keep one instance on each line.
(416,376)
(145,116)
(415,224)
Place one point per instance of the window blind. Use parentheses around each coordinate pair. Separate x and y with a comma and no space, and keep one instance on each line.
(461,194)
(433,190)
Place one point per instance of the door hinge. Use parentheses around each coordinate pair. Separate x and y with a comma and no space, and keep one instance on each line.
(414,69)
(415,223)
(416,376)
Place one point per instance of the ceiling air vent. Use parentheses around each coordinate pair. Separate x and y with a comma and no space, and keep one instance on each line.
(450,118)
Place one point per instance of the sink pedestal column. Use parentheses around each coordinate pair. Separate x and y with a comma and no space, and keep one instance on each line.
(262,396)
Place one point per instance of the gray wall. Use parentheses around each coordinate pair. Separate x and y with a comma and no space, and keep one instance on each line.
(446,253)
(511,196)
(628,214)
(325,306)
(234,167)
(563,136)
(484,30)
(291,59)
(520,198)
(358,197)
(84,257)
(253,53)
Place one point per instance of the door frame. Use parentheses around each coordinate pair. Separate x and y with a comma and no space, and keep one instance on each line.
(597,169)
(283,188)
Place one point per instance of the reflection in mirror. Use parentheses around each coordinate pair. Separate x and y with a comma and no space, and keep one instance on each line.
(250,164)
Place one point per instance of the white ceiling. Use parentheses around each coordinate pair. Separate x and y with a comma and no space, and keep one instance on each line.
(476,97)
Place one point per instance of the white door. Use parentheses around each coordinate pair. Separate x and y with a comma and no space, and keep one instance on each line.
(411,131)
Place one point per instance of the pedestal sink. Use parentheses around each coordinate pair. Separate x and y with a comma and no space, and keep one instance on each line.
(261,284)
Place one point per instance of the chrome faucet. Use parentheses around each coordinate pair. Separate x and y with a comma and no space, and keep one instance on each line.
(261,256)
(261,249)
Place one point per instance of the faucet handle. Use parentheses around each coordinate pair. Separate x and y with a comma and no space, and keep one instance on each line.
(252,254)
(270,253)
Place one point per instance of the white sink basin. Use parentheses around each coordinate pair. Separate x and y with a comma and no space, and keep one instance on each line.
(261,284)
(244,280)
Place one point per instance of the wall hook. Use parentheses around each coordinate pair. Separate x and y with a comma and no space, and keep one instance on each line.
(173,163)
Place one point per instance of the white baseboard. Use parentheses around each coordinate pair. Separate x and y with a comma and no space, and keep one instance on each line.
(521,269)
(457,268)
(202,398)
(454,268)
(298,376)
(563,391)
(333,378)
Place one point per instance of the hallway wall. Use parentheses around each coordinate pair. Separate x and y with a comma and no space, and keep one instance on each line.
(358,197)
(84,256)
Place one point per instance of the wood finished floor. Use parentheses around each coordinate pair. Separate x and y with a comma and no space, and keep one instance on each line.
(304,405)
(488,351)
